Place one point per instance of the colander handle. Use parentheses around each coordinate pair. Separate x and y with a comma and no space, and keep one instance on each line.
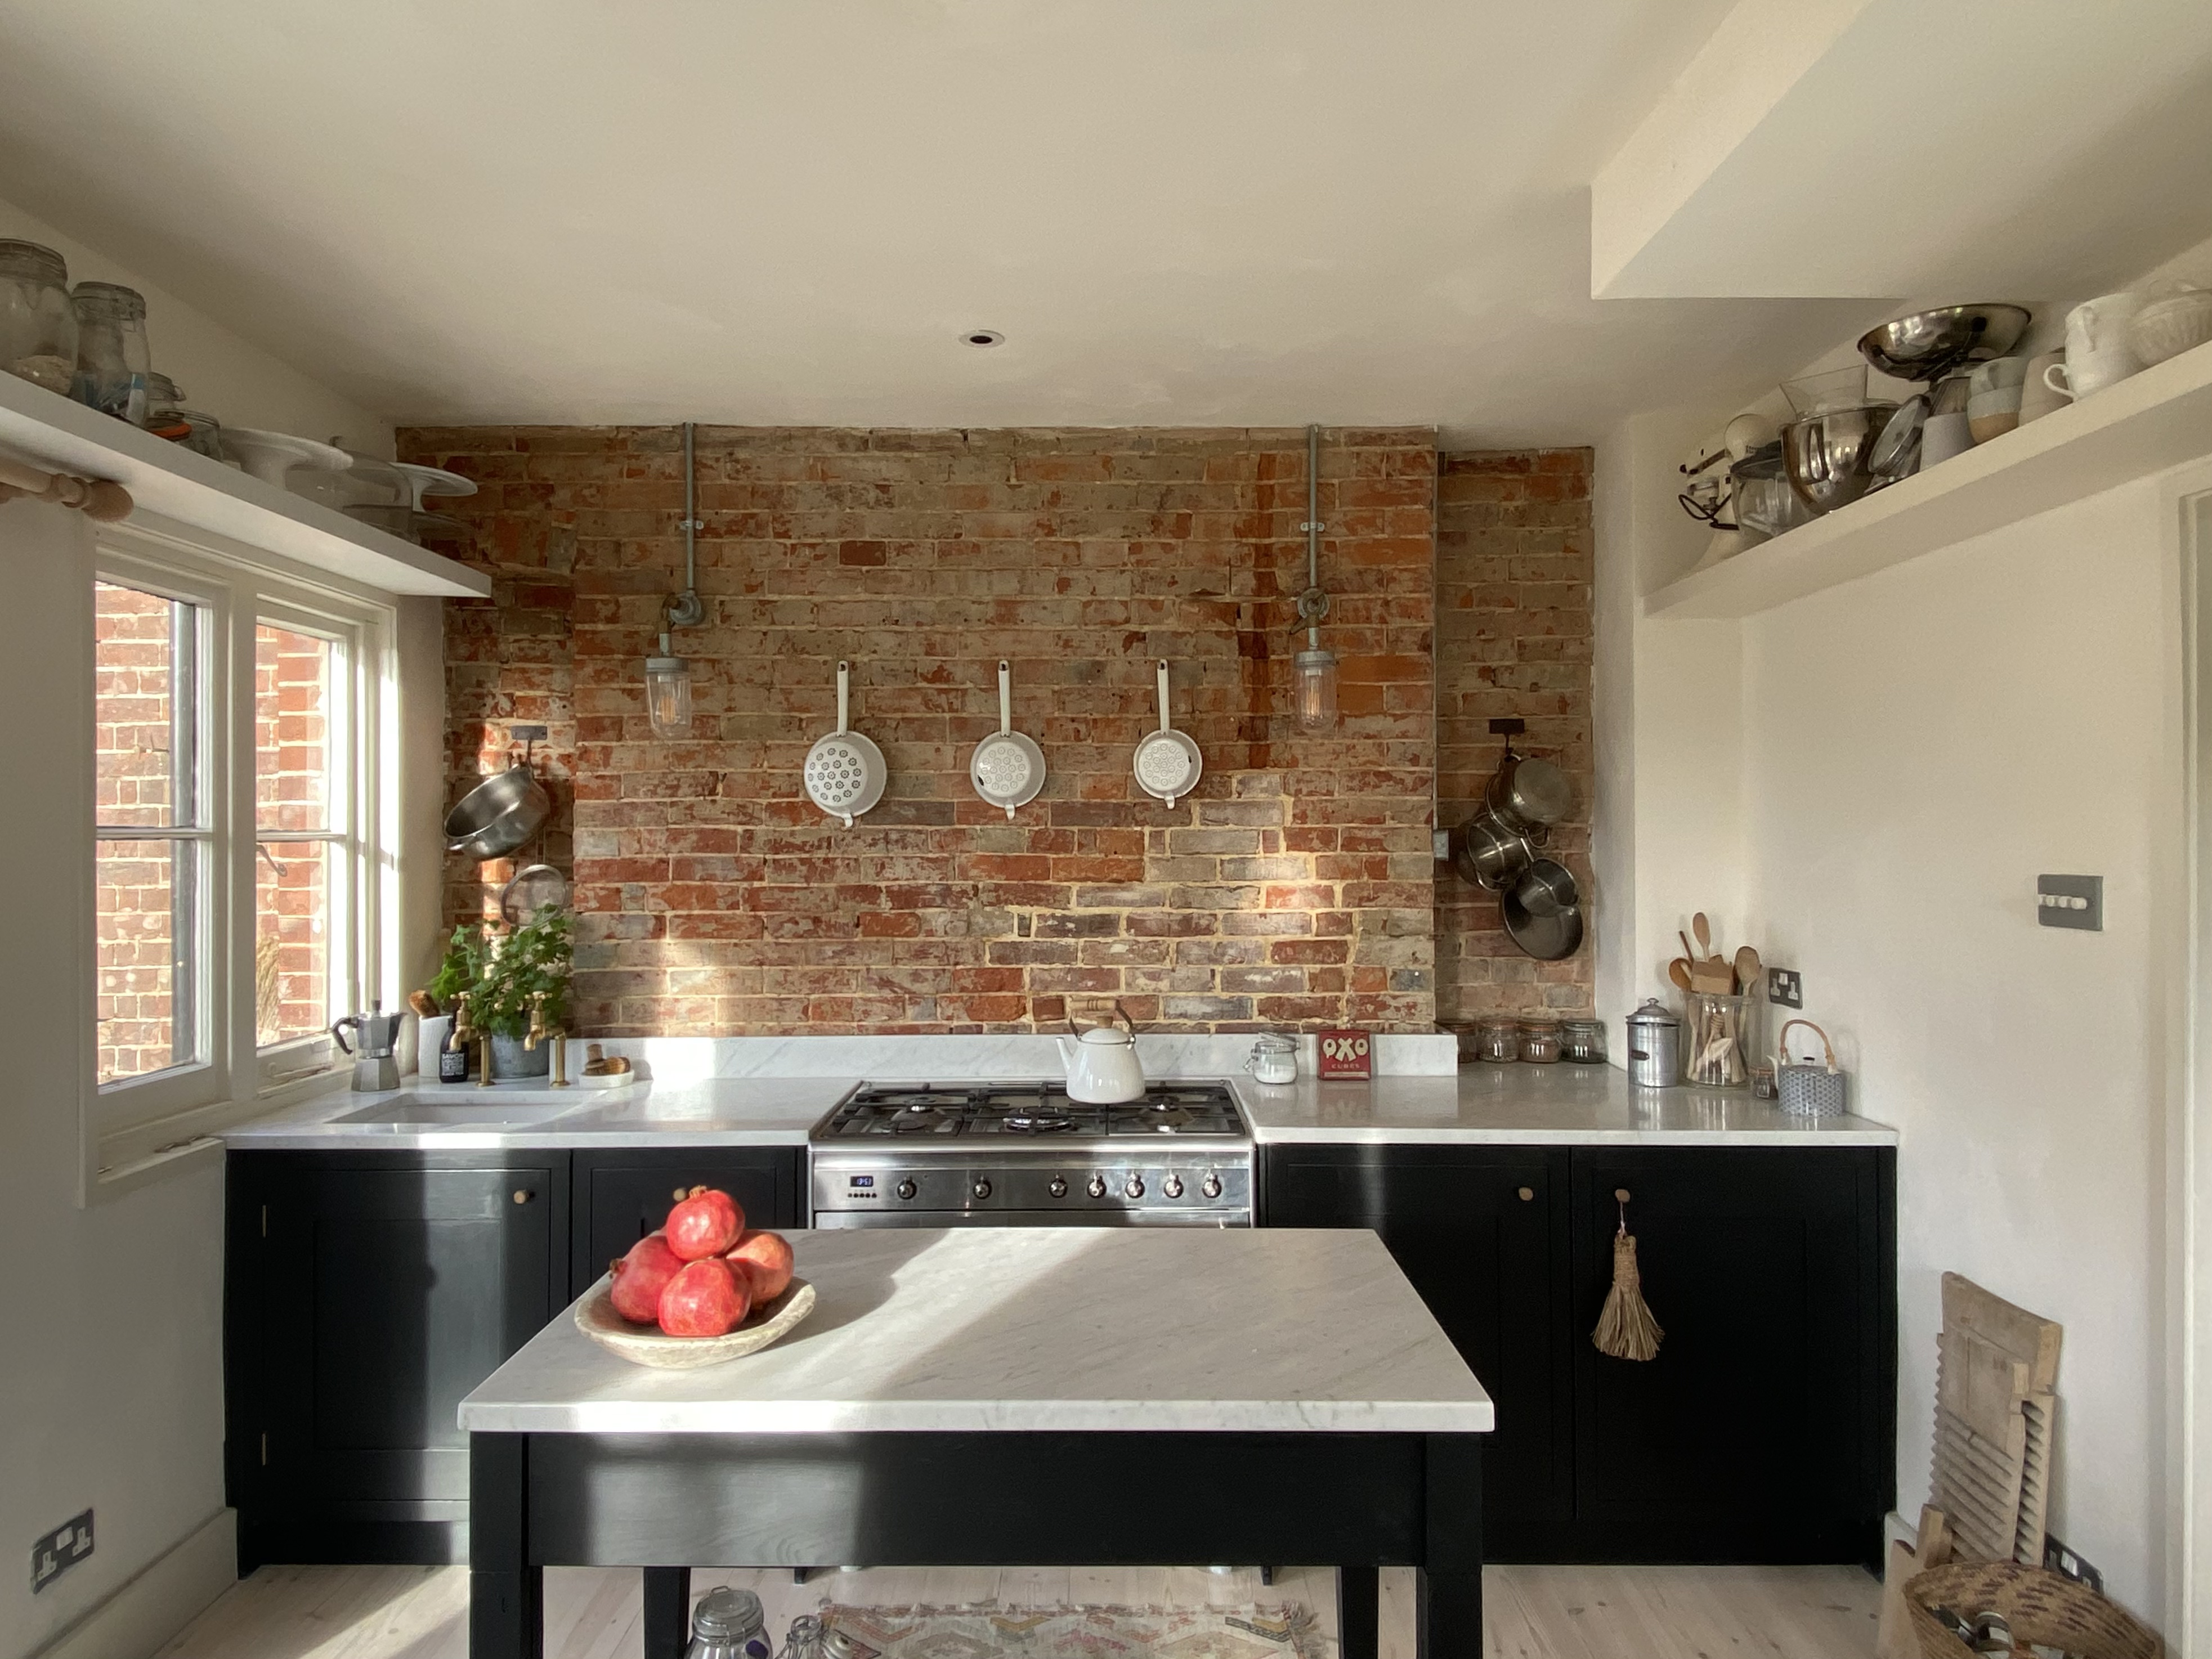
(1163,693)
(844,696)
(1005,704)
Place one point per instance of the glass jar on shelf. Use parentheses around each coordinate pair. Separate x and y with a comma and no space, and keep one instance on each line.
(113,357)
(38,325)
(1717,1040)
(1498,1039)
(1540,1039)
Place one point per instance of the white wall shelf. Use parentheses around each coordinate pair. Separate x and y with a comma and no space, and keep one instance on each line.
(188,489)
(2155,420)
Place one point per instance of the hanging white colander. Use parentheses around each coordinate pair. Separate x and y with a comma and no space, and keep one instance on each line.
(1007,768)
(845,771)
(1167,762)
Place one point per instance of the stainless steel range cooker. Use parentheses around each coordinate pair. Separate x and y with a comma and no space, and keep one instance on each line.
(1012,1155)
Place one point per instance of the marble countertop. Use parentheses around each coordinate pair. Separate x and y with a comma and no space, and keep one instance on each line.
(748,1111)
(1520,1104)
(1012,1328)
(1498,1105)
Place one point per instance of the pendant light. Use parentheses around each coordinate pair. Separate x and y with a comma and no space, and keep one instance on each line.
(668,677)
(1313,671)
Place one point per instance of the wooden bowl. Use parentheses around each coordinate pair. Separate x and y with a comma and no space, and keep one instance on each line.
(641,1345)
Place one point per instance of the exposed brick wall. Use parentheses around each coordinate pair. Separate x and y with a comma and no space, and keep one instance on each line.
(1513,638)
(713,897)
(292,942)
(132,931)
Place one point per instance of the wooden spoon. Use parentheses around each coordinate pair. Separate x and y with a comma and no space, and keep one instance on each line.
(1678,971)
(1705,933)
(1747,971)
(1689,951)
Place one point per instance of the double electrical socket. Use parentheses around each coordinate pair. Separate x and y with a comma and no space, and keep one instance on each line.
(60,1550)
(1783,988)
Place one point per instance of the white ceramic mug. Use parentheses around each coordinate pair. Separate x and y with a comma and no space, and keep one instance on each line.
(2097,349)
(1995,375)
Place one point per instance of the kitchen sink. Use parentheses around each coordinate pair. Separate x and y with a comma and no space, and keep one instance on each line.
(419,1115)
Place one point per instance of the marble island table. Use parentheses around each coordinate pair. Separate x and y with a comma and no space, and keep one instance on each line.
(1015,1396)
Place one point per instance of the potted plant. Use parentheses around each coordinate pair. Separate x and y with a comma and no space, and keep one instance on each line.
(503,975)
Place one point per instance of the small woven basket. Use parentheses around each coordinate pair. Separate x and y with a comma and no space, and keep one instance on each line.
(2045,1607)
(1808,1090)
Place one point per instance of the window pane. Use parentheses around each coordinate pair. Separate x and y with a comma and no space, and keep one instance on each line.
(291,729)
(147,913)
(292,941)
(144,661)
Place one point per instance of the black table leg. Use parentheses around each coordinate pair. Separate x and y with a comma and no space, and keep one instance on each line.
(507,1594)
(1448,1587)
(1358,1612)
(667,1611)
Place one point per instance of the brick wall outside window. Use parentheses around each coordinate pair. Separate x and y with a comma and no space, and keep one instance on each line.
(292,934)
(133,941)
(1513,638)
(713,897)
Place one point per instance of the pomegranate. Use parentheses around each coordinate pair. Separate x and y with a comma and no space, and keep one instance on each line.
(705,1223)
(707,1298)
(767,1256)
(641,1276)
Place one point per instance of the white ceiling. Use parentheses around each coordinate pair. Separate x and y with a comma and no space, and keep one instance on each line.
(1178,212)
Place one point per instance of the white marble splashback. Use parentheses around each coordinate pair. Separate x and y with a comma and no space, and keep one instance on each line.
(947,1058)
(1014,1328)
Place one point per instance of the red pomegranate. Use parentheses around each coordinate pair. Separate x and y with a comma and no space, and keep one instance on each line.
(705,1223)
(767,1256)
(641,1276)
(706,1299)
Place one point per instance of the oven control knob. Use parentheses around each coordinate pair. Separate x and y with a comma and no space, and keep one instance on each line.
(982,1189)
(1058,1188)
(1135,1189)
(1097,1187)
(1210,1186)
(1172,1187)
(906,1189)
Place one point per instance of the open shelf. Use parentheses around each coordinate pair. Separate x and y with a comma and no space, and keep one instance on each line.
(2155,420)
(187,488)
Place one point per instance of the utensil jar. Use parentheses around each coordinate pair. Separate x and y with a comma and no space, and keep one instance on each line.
(1714,1039)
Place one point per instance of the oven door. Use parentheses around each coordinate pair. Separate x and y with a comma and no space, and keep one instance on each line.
(1129,1217)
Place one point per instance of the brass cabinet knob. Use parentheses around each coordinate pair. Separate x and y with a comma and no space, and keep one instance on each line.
(523,1194)
(678,1194)
(1527,1194)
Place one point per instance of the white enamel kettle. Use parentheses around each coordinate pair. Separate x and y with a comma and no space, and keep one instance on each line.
(1102,1063)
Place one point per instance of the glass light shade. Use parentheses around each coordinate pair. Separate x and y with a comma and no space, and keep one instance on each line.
(668,693)
(1313,682)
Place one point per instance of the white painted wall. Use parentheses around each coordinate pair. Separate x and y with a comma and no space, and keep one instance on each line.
(222,375)
(1919,746)
(111,1384)
(111,1390)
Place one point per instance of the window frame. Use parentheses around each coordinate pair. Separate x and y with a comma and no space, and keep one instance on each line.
(135,1123)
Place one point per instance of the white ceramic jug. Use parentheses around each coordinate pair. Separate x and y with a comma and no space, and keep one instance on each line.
(2097,348)
(1101,1064)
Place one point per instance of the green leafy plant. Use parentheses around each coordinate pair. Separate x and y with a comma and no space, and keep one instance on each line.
(502,974)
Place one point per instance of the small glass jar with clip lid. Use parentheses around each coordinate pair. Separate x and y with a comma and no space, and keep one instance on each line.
(38,327)
(112,358)
(1540,1039)
(1498,1039)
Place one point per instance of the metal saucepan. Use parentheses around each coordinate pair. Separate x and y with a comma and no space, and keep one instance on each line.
(1529,795)
(1007,768)
(499,814)
(1488,853)
(1546,888)
(1168,763)
(1547,938)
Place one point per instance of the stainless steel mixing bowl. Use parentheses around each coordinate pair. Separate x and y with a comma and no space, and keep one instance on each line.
(1930,345)
(1828,456)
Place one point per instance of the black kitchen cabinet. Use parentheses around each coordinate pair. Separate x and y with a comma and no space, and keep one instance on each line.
(366,1294)
(618,1197)
(1765,1431)
(1480,1233)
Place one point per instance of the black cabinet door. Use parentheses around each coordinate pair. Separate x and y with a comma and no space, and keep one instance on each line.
(1764,1430)
(1480,1232)
(621,1196)
(375,1294)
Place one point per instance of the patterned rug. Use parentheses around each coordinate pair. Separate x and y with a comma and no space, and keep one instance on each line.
(988,1631)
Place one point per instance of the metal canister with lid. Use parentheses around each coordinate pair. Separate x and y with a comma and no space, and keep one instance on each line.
(1655,1046)
(727,1624)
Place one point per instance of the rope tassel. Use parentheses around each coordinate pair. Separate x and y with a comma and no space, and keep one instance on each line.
(1625,1329)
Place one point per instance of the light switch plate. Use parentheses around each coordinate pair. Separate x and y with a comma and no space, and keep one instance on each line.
(60,1550)
(1440,845)
(2070,902)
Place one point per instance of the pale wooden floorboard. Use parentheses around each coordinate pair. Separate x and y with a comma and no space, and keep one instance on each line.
(1530,1612)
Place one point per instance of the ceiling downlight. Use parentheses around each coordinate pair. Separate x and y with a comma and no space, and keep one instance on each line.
(982,337)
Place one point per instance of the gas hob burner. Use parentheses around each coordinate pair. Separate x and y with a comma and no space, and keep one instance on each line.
(1038,1121)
